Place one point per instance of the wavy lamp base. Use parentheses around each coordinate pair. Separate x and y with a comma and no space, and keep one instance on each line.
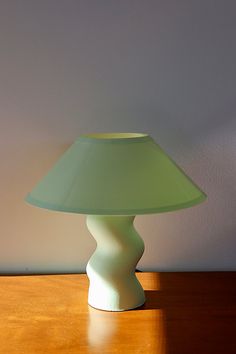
(111,269)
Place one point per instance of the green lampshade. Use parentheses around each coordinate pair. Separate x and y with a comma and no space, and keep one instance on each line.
(115,174)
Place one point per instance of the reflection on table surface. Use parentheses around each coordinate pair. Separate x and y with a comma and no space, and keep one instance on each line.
(184,313)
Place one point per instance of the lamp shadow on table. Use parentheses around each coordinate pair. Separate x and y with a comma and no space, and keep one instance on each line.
(198,311)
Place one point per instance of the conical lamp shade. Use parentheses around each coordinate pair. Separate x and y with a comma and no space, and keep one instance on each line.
(115,174)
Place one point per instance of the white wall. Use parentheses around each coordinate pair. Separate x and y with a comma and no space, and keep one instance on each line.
(163,67)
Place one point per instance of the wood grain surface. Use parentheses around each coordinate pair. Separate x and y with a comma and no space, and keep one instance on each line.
(184,313)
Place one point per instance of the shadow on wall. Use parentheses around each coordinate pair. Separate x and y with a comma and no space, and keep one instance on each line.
(171,129)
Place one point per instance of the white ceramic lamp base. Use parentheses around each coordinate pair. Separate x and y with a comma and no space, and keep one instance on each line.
(111,269)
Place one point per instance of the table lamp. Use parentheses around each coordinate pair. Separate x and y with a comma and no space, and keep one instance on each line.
(113,177)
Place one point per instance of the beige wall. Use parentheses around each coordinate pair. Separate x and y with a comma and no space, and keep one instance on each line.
(73,67)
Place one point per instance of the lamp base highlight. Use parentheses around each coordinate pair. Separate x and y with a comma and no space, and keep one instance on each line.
(111,269)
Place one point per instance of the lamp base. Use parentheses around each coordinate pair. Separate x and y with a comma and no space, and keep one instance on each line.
(111,269)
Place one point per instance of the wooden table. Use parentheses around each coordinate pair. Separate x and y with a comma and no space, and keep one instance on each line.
(185,313)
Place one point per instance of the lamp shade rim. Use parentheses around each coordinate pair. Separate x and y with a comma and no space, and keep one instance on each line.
(114,138)
(89,211)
